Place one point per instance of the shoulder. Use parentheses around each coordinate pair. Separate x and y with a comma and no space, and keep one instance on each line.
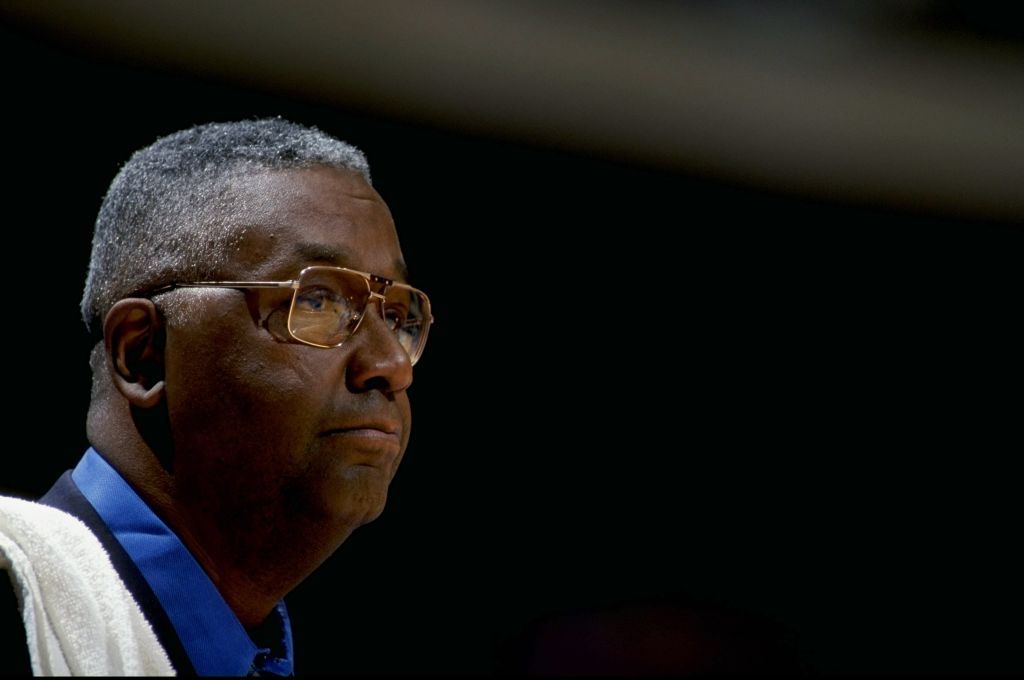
(32,533)
(57,566)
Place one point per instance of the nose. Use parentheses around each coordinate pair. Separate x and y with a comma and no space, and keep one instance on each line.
(377,360)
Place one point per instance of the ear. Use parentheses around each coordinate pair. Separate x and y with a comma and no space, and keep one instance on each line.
(132,334)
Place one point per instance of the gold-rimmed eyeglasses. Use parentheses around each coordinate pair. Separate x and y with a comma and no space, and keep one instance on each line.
(329,303)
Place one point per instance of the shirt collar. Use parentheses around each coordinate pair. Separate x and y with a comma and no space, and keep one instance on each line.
(213,637)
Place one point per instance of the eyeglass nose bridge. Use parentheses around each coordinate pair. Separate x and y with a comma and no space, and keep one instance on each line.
(377,296)
(369,302)
(382,284)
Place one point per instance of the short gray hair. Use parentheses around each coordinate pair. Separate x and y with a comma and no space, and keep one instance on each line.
(162,219)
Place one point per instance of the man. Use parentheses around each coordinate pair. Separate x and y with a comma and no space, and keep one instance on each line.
(255,341)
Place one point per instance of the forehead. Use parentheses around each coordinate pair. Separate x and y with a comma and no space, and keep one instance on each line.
(283,220)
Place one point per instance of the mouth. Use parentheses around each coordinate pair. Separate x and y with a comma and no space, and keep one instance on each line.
(371,445)
(363,433)
(383,435)
(382,430)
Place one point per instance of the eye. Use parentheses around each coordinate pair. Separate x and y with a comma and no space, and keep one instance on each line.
(319,299)
(395,318)
(323,305)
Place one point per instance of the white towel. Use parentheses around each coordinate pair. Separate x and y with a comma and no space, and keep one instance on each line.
(79,617)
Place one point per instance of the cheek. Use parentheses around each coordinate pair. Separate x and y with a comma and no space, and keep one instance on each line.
(238,397)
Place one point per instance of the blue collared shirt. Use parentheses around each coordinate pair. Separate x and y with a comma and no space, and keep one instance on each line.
(213,637)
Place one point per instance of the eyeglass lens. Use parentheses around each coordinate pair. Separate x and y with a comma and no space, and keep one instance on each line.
(329,303)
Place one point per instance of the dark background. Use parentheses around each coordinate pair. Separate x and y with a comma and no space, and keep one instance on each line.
(644,385)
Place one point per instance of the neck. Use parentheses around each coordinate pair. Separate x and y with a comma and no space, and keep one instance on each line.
(251,579)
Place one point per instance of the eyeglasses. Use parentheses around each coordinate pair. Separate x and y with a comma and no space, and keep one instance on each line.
(329,303)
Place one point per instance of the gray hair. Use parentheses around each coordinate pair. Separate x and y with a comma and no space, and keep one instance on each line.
(163,218)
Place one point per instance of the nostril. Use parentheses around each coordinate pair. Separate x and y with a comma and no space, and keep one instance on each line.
(377,382)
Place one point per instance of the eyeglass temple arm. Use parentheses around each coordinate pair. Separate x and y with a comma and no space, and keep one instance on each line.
(237,284)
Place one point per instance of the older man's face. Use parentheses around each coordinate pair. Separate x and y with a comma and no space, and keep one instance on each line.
(276,442)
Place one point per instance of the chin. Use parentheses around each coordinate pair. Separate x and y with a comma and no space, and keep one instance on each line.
(374,507)
(373,514)
(328,509)
(354,507)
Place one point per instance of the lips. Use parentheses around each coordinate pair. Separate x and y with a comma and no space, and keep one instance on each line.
(371,428)
(375,444)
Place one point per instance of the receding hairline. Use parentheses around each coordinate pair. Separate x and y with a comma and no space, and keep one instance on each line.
(239,186)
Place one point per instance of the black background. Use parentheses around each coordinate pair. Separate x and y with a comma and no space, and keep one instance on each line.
(641,387)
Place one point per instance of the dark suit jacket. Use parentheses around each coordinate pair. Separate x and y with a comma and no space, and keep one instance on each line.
(65,495)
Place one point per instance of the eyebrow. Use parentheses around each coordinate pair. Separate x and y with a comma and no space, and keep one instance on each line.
(343,257)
